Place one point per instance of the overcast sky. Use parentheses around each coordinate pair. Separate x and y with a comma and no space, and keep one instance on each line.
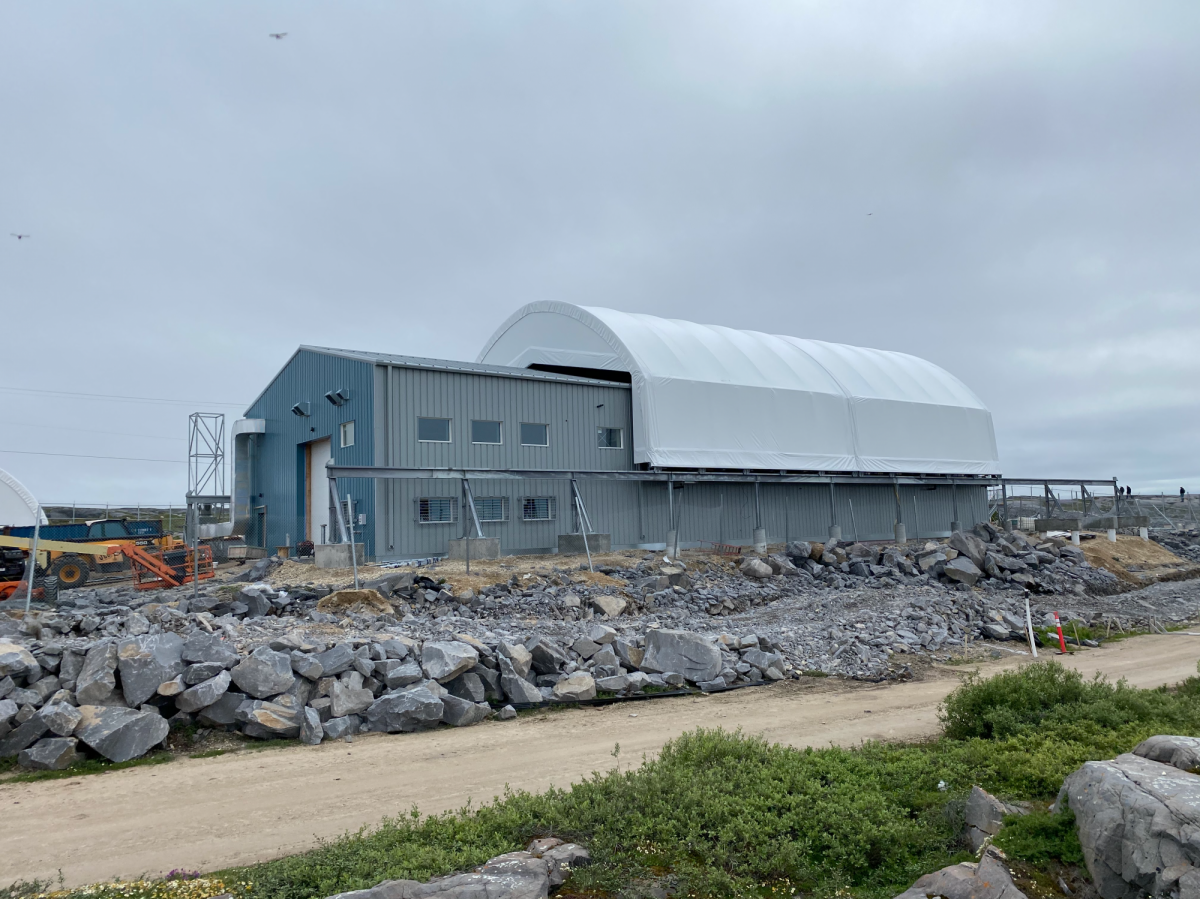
(1010,190)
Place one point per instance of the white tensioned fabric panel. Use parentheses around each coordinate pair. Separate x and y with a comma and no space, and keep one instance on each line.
(18,508)
(712,397)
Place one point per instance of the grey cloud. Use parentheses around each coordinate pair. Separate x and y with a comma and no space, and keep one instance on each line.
(203,199)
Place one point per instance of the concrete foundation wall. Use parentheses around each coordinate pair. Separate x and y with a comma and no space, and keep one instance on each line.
(481,548)
(337,555)
(573,544)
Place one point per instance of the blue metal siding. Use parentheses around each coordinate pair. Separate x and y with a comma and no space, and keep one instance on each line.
(278,479)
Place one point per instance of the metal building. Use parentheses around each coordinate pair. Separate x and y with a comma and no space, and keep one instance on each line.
(402,434)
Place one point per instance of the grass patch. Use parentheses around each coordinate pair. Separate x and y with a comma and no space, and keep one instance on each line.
(724,814)
(89,766)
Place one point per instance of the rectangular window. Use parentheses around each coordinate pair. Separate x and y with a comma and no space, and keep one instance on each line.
(433,430)
(346,431)
(436,510)
(537,508)
(492,508)
(485,432)
(535,435)
(608,438)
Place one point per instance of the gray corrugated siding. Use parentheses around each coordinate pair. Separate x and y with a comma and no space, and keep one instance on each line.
(278,468)
(572,412)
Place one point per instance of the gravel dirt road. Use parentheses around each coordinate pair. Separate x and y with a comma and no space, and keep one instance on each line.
(204,814)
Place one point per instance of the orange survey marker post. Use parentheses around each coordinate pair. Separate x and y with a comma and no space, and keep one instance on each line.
(1061,640)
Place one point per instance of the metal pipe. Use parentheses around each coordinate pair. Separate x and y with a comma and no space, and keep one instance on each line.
(353,546)
(37,525)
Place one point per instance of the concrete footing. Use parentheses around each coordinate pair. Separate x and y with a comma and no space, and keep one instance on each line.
(572,544)
(1144,533)
(672,545)
(835,532)
(337,555)
(481,548)
(1075,537)
(760,541)
(901,536)
(1112,535)
(955,526)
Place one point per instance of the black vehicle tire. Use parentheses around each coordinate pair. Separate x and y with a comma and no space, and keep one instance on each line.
(71,571)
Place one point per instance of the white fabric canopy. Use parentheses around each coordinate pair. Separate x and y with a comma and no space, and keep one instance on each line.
(706,396)
(18,508)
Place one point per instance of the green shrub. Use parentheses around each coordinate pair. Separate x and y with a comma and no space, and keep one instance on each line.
(1047,694)
(1041,837)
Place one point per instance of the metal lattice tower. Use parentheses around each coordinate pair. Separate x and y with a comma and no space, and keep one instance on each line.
(206,455)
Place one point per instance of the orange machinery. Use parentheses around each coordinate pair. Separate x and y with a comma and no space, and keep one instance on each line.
(151,569)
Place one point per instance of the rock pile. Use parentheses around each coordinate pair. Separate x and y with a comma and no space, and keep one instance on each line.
(105,670)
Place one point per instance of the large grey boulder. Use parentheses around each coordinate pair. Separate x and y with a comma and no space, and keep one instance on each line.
(683,653)
(987,879)
(61,719)
(970,546)
(962,570)
(462,712)
(983,817)
(203,694)
(15,660)
(223,712)
(306,665)
(396,673)
(269,720)
(520,658)
(202,647)
(147,661)
(311,731)
(336,659)
(23,736)
(531,874)
(346,700)
(1178,752)
(546,657)
(8,710)
(515,687)
(1138,822)
(50,754)
(120,734)
(468,686)
(755,568)
(264,673)
(444,661)
(575,688)
(404,711)
(336,728)
(98,677)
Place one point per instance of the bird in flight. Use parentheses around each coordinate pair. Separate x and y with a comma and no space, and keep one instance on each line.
(19,236)
(278,35)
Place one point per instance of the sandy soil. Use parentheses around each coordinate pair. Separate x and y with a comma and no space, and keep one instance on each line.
(1151,561)
(258,804)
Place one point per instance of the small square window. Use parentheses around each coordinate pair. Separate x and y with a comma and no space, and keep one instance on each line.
(346,432)
(492,508)
(433,430)
(436,510)
(535,435)
(485,432)
(608,438)
(537,508)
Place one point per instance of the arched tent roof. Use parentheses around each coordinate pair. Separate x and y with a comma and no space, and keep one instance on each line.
(707,396)
(18,508)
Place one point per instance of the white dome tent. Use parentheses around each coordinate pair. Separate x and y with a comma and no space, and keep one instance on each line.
(18,508)
(712,397)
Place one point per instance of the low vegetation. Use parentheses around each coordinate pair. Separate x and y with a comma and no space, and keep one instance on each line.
(726,814)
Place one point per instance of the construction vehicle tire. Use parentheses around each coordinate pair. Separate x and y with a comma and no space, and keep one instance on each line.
(71,571)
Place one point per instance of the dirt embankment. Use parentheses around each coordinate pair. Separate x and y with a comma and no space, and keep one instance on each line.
(257,804)
(1138,562)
